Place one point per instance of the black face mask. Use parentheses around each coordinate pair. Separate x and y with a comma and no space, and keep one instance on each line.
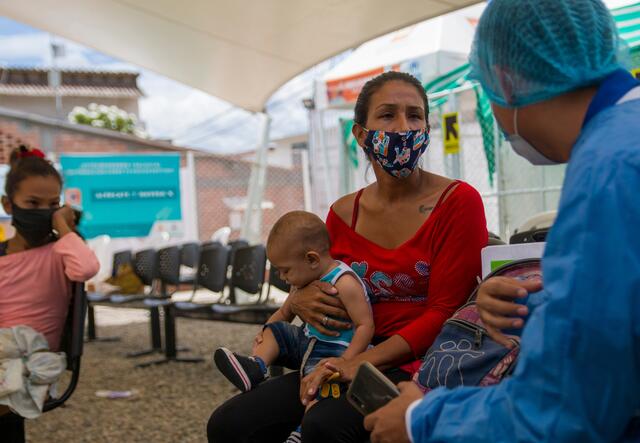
(34,225)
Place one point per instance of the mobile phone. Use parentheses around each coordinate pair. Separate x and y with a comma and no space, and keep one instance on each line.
(370,389)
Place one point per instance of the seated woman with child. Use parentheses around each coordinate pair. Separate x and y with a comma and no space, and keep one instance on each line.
(412,237)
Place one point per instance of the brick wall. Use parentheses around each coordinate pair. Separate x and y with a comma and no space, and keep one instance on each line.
(218,179)
(12,135)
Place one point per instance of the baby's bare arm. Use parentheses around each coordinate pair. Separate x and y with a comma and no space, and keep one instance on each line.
(284,313)
(352,295)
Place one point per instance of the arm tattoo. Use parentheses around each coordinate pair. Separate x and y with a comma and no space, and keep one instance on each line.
(424,209)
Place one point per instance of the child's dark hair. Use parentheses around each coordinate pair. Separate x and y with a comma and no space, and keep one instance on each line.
(373,85)
(300,231)
(25,163)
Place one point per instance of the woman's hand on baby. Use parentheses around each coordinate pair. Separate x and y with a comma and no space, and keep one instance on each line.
(496,305)
(316,303)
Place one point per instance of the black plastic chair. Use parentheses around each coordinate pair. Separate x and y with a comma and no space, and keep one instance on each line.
(71,344)
(276,281)
(211,275)
(169,260)
(237,244)
(119,258)
(212,271)
(146,267)
(495,240)
(533,236)
(233,247)
(169,265)
(189,257)
(248,272)
(248,269)
(208,244)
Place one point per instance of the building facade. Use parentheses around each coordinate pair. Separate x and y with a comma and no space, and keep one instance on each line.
(54,94)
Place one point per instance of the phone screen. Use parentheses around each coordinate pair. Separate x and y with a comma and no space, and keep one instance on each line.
(370,390)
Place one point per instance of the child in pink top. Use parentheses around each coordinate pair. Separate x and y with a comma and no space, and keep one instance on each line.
(38,264)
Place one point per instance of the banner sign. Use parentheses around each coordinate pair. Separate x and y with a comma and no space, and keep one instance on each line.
(122,195)
(346,90)
(451,131)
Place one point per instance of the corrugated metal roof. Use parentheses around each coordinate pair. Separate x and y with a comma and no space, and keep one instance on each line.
(37,82)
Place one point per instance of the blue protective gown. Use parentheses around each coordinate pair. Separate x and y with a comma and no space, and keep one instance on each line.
(578,377)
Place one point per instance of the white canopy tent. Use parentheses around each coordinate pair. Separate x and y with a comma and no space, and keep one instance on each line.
(238,51)
(427,50)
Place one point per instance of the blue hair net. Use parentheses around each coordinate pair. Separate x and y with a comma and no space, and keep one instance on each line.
(527,51)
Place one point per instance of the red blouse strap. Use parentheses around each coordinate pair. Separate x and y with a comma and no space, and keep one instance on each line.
(356,206)
(444,194)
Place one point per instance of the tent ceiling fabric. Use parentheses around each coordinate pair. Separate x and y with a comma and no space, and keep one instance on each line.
(240,51)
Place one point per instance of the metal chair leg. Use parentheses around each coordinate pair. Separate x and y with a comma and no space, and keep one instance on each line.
(170,349)
(91,328)
(155,334)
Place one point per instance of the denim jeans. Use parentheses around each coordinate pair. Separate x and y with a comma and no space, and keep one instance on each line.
(296,349)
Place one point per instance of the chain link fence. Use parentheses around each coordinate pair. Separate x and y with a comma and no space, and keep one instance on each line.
(222,183)
(514,191)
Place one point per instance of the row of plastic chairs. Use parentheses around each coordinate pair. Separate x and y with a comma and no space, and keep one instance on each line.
(146,265)
(218,268)
(247,273)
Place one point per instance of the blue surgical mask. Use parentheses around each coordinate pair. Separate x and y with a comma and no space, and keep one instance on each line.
(525,149)
(397,152)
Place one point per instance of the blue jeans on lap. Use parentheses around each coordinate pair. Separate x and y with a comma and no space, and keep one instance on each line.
(294,346)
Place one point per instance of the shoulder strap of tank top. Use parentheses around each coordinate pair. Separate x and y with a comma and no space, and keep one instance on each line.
(444,194)
(356,206)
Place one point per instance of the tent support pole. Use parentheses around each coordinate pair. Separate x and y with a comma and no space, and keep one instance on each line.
(252,223)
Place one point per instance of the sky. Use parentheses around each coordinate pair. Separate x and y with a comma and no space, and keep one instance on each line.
(172,110)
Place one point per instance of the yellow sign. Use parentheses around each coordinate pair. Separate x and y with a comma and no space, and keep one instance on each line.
(451,133)
(636,73)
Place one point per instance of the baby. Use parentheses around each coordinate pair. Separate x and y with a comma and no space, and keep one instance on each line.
(298,246)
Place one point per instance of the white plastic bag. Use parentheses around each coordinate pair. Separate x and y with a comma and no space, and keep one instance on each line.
(27,369)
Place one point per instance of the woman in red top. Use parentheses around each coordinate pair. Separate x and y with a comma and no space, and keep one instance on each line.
(415,239)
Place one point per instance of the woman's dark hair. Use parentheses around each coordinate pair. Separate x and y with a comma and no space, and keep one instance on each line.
(25,163)
(374,85)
